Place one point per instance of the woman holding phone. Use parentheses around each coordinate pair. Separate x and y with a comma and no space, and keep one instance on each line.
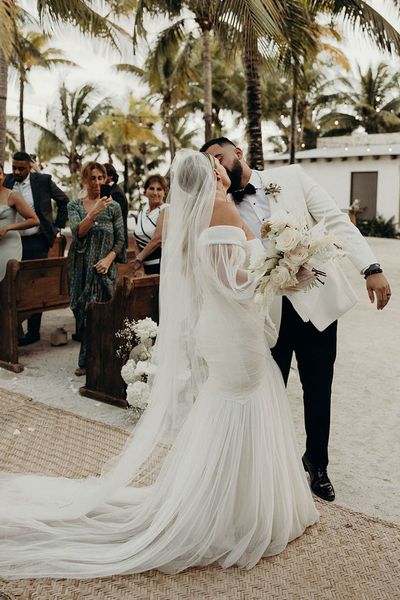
(98,242)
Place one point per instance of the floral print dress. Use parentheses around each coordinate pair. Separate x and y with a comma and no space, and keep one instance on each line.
(86,285)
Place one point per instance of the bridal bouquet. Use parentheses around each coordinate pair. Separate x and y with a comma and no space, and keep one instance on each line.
(296,251)
(137,346)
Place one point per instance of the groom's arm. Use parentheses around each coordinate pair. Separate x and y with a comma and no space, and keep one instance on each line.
(321,205)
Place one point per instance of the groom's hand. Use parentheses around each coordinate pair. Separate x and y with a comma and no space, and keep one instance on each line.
(378,285)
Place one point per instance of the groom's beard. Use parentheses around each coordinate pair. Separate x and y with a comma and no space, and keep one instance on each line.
(235,175)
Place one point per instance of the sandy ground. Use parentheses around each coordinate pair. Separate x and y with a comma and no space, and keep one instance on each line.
(365,434)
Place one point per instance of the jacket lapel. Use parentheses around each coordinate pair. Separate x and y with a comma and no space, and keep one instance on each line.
(35,193)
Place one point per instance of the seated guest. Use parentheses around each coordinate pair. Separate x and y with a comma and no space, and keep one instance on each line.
(149,223)
(11,205)
(118,195)
(38,190)
(98,242)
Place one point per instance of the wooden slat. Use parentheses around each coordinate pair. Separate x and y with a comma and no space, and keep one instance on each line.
(42,285)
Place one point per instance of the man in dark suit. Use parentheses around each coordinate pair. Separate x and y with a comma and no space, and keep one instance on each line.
(118,195)
(38,190)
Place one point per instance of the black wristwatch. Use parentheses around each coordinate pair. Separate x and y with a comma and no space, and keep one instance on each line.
(372,270)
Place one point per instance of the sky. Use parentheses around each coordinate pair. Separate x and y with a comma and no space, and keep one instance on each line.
(96,62)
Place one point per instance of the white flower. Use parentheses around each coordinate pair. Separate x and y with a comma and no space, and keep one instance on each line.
(287,240)
(282,278)
(128,371)
(137,394)
(298,256)
(145,329)
(278,221)
(144,367)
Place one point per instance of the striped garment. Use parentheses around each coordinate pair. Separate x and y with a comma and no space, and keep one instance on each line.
(144,231)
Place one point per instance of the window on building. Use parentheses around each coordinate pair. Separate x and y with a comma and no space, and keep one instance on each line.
(364,187)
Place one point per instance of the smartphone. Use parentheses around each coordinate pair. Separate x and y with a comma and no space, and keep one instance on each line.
(105,190)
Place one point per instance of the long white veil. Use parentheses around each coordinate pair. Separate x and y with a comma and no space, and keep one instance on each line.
(179,372)
(211,472)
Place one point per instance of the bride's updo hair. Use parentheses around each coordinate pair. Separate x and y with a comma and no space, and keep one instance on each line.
(193,170)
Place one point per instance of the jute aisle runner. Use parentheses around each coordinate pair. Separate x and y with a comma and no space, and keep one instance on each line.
(346,556)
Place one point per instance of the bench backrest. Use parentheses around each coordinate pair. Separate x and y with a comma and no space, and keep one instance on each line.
(133,299)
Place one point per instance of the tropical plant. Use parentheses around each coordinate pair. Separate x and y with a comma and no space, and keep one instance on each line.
(71,136)
(373,99)
(379,227)
(128,134)
(170,73)
(81,13)
(31,51)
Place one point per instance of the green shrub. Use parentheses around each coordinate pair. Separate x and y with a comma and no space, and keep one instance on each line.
(378,227)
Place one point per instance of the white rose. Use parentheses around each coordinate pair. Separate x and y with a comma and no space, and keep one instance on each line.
(282,278)
(278,221)
(287,240)
(298,256)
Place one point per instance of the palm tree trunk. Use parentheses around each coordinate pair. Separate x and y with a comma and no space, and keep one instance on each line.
(293,119)
(3,102)
(251,65)
(166,117)
(207,71)
(21,115)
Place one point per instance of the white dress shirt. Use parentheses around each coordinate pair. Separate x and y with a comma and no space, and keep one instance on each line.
(255,208)
(24,188)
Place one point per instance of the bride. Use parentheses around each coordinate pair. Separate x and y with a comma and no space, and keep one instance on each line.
(212,472)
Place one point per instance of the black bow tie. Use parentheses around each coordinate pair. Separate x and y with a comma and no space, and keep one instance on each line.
(238,195)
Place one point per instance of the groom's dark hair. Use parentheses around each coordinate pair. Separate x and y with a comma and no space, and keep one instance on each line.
(221,141)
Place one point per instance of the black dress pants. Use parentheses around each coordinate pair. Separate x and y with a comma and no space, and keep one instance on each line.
(315,352)
(34,247)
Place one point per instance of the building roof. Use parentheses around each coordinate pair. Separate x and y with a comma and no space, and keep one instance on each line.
(358,145)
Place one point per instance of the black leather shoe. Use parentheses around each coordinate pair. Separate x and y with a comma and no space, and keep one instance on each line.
(319,481)
(30,338)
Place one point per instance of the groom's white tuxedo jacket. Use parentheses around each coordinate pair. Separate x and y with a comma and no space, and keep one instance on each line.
(301,194)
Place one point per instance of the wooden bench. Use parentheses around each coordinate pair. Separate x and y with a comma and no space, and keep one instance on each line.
(58,247)
(133,299)
(29,286)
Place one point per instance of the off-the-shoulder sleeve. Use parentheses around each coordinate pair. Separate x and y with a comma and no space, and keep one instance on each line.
(224,257)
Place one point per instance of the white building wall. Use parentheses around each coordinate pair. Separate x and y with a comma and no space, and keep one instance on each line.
(335,177)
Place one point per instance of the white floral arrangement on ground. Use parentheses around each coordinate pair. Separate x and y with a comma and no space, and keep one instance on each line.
(296,252)
(137,349)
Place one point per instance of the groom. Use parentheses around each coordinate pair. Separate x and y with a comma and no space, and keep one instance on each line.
(311,336)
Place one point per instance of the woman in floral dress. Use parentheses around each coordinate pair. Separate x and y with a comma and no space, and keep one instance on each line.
(98,243)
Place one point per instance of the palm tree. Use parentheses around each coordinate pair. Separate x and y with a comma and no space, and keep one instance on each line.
(231,21)
(81,13)
(31,52)
(127,134)
(170,71)
(73,118)
(374,103)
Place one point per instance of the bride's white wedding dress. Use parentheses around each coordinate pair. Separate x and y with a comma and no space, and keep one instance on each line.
(217,440)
